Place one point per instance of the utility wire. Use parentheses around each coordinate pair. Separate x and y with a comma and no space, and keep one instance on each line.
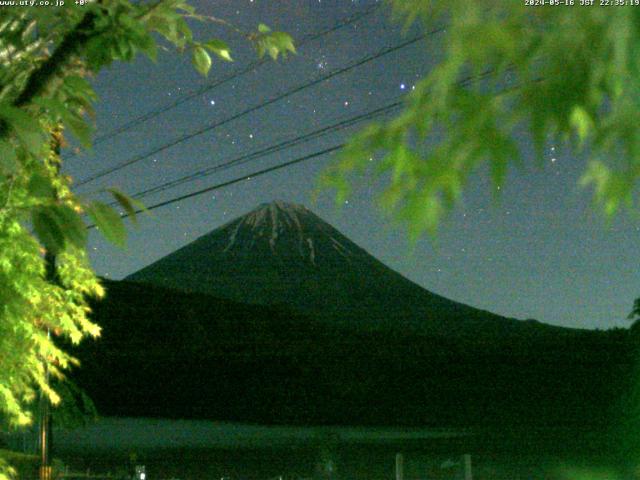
(284,145)
(291,142)
(201,91)
(235,180)
(260,106)
(379,111)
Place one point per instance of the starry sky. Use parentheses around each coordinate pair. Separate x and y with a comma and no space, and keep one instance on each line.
(538,252)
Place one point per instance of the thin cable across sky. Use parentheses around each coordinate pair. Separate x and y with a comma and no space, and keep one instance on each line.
(366,59)
(250,67)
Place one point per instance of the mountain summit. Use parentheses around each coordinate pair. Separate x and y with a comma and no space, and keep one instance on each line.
(283,254)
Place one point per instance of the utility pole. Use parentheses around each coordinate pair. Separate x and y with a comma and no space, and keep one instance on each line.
(44,425)
(44,428)
(399,466)
(468,473)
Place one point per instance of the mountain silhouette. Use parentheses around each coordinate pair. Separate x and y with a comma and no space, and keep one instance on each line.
(284,254)
(164,353)
(278,318)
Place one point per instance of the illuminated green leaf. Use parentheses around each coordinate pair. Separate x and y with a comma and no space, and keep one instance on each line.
(201,60)
(130,205)
(108,222)
(220,48)
(581,122)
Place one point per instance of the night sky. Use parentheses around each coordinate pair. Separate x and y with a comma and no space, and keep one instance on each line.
(540,252)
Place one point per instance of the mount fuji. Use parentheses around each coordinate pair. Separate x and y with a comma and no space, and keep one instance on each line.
(284,254)
(278,318)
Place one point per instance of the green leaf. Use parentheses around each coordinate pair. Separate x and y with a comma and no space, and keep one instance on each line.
(26,128)
(98,53)
(80,129)
(581,123)
(130,205)
(47,229)
(220,48)
(72,119)
(40,187)
(262,28)
(73,228)
(148,46)
(597,173)
(8,159)
(80,87)
(109,223)
(201,60)
(56,225)
(283,41)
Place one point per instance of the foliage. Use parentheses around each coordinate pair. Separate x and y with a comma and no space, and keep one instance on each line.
(567,73)
(24,465)
(46,55)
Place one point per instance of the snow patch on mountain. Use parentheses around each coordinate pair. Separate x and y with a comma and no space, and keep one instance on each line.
(284,228)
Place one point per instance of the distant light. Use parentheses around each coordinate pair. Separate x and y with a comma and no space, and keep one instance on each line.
(212,102)
(143,475)
(402,86)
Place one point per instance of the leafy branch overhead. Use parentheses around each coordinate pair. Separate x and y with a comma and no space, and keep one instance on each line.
(562,74)
(46,56)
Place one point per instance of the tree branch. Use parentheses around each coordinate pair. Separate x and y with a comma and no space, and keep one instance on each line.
(42,76)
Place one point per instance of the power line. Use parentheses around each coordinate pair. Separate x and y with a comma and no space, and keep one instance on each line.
(236,180)
(287,164)
(272,100)
(463,82)
(286,144)
(201,91)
